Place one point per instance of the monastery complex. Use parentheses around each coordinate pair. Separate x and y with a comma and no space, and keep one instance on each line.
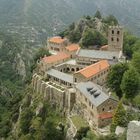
(74,79)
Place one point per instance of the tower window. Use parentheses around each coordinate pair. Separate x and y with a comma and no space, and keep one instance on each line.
(117,39)
(112,39)
(112,31)
(118,32)
(114,57)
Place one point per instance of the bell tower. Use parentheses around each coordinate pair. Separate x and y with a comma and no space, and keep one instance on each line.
(115,38)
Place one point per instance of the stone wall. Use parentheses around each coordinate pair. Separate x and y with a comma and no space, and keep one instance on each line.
(51,93)
(108,105)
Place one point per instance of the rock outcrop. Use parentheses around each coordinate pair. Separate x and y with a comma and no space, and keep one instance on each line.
(133,132)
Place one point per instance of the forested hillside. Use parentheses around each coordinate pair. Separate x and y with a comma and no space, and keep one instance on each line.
(54,16)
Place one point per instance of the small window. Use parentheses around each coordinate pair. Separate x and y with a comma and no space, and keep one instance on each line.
(117,39)
(89,103)
(110,108)
(103,109)
(112,31)
(114,57)
(75,79)
(118,32)
(112,39)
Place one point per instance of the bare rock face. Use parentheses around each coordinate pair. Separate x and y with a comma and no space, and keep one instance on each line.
(119,130)
(133,132)
(20,66)
(39,109)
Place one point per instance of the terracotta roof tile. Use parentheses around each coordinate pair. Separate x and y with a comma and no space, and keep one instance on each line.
(105,115)
(73,47)
(56,39)
(105,47)
(94,68)
(54,58)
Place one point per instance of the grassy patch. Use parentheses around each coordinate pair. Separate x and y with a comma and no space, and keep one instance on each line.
(79,122)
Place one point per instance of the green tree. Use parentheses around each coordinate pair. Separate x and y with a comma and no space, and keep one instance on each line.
(25,120)
(81,133)
(111,20)
(51,132)
(130,84)
(74,36)
(92,37)
(108,137)
(90,136)
(129,44)
(114,78)
(136,60)
(88,37)
(41,53)
(98,15)
(119,117)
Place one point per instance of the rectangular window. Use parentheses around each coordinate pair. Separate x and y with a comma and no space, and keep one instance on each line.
(112,31)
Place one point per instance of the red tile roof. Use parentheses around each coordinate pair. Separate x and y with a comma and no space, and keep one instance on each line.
(106,115)
(54,58)
(94,68)
(105,47)
(56,39)
(73,47)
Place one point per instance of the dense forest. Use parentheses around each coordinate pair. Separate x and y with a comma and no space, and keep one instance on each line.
(54,16)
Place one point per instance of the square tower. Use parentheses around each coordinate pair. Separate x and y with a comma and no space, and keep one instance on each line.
(115,38)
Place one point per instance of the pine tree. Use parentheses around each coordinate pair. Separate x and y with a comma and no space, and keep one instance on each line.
(98,15)
(119,117)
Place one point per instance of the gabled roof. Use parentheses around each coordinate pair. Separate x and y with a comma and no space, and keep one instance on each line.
(73,47)
(94,68)
(92,92)
(105,115)
(54,58)
(56,39)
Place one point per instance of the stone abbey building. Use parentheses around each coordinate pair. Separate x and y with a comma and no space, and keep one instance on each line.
(73,78)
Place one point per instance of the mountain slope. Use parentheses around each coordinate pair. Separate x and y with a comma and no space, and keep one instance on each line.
(53,16)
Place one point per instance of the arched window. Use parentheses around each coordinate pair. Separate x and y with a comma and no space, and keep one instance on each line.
(72,69)
(77,69)
(68,69)
(118,32)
